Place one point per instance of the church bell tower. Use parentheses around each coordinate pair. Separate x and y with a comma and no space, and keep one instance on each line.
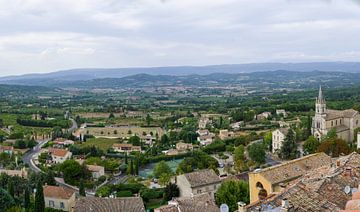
(320,104)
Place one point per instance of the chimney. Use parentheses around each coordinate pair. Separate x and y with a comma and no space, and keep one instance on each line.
(241,206)
(282,186)
(337,163)
(348,172)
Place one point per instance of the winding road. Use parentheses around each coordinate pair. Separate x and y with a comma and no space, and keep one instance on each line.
(28,158)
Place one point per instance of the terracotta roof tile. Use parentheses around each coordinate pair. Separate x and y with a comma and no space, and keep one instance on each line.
(58,152)
(97,204)
(202,177)
(295,168)
(57,192)
(197,203)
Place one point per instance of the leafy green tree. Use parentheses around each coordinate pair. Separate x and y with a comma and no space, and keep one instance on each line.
(73,171)
(135,140)
(257,153)
(162,168)
(330,135)
(82,188)
(239,158)
(6,200)
(231,192)
(20,144)
(288,150)
(334,147)
(39,198)
(198,160)
(268,141)
(171,191)
(111,116)
(311,145)
(164,140)
(164,179)
(215,147)
(50,178)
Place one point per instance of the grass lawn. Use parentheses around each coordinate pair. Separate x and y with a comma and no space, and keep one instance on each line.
(102,143)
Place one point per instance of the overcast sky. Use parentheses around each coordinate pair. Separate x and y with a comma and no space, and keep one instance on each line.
(49,35)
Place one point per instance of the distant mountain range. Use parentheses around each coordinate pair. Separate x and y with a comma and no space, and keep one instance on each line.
(91,77)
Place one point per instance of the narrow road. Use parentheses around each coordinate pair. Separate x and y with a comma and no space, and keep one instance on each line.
(27,158)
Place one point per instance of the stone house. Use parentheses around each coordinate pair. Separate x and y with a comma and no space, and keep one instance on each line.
(198,182)
(96,171)
(97,204)
(126,148)
(278,137)
(59,155)
(59,198)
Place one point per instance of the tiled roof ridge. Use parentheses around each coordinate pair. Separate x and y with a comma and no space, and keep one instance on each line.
(291,162)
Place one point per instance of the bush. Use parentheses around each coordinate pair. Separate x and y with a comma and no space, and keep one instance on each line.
(124,194)
(148,194)
(217,146)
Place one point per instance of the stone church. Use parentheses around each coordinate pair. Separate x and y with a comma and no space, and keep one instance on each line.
(344,121)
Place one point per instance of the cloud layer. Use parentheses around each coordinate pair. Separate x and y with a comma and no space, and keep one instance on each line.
(43,36)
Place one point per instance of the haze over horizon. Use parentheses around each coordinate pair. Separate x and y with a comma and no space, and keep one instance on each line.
(38,37)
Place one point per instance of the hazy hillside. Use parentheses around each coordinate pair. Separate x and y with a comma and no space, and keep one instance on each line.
(270,79)
(61,77)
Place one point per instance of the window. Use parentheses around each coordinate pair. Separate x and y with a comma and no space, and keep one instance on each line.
(336,122)
(62,205)
(332,123)
(357,122)
(51,203)
(199,191)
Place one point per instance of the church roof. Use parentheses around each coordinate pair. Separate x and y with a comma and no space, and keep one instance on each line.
(350,113)
(341,128)
(335,114)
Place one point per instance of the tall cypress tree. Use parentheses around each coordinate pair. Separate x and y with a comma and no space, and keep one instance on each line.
(11,189)
(137,166)
(308,126)
(126,158)
(131,167)
(288,150)
(27,198)
(82,188)
(39,198)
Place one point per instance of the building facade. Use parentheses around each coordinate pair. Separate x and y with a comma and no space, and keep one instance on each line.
(198,182)
(343,121)
(59,198)
(278,137)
